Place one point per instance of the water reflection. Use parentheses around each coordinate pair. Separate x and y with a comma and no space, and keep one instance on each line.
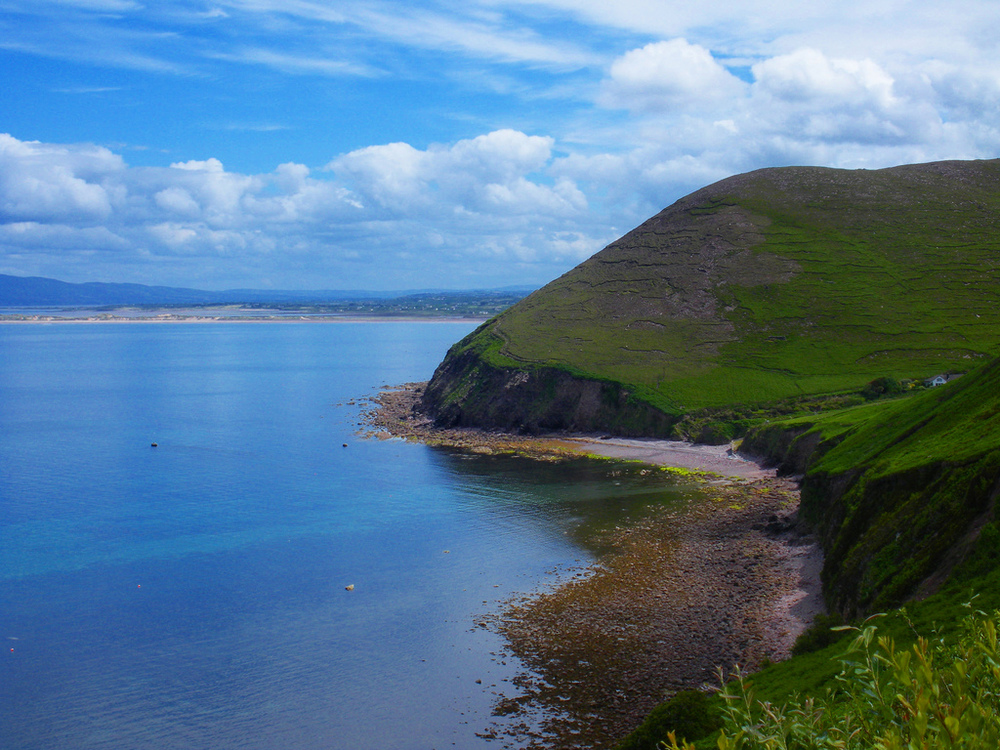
(579,498)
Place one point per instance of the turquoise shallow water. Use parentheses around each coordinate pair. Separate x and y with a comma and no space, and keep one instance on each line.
(193,595)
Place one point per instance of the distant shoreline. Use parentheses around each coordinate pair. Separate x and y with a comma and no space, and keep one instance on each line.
(195,319)
(728,580)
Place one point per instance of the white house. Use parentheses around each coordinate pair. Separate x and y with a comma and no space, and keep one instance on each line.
(941,379)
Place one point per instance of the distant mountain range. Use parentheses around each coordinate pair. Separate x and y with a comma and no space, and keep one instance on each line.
(37,291)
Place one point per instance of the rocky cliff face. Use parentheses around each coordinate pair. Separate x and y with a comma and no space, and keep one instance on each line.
(468,391)
(890,538)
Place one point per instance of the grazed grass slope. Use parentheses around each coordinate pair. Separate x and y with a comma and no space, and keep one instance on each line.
(777,283)
(901,491)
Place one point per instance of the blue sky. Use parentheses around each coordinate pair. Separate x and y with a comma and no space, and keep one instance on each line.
(303,144)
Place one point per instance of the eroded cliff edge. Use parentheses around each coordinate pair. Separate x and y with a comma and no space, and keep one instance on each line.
(471,389)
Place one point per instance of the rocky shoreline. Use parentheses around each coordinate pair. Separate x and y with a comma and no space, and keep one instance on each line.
(726,580)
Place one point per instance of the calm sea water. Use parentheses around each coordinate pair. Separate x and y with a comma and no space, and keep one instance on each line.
(192,595)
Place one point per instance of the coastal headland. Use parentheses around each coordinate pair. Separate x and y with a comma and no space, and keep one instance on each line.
(728,579)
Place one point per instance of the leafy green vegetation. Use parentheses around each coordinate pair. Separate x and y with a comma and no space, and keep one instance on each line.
(690,714)
(933,693)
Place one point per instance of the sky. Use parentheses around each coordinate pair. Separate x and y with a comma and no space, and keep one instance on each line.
(473,144)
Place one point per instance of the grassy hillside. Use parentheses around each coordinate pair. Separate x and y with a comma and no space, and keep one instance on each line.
(898,490)
(903,493)
(772,285)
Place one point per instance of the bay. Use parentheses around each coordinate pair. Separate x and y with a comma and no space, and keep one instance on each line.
(193,594)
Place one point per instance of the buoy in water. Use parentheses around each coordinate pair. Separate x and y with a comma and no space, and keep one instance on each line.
(152,445)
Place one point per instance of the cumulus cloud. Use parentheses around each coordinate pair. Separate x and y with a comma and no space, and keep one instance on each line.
(668,75)
(829,99)
(808,75)
(692,121)
(963,92)
(491,196)
(176,200)
(488,174)
(42,181)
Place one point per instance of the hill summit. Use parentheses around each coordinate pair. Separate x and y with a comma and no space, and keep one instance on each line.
(775,284)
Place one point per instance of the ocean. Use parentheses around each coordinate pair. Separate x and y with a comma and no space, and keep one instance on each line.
(194,594)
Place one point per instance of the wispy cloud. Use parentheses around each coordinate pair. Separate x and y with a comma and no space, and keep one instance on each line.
(88,90)
(493,41)
(295,64)
(252,127)
(103,6)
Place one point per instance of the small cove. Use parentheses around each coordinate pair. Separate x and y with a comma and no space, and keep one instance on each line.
(193,595)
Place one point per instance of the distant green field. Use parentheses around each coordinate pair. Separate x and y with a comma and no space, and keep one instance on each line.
(780,283)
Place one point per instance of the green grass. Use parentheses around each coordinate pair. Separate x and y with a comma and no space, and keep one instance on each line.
(777,284)
(897,488)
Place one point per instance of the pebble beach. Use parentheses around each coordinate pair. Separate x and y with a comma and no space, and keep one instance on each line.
(727,580)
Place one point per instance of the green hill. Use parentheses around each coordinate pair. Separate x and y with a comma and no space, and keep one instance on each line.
(768,286)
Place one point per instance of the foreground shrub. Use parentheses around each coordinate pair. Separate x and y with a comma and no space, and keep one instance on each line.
(824,631)
(928,696)
(690,714)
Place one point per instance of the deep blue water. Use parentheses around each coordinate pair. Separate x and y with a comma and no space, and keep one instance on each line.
(192,595)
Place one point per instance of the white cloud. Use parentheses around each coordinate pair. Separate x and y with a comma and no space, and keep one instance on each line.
(317,64)
(385,208)
(666,76)
(807,75)
(493,38)
(487,174)
(104,6)
(177,200)
(761,28)
(393,175)
(962,92)
(51,182)
(801,107)
(208,165)
(31,235)
(825,99)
